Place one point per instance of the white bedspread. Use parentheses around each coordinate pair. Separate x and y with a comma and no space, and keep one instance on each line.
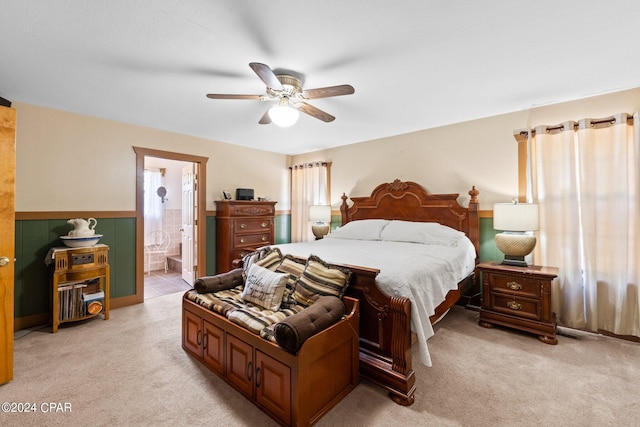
(422,273)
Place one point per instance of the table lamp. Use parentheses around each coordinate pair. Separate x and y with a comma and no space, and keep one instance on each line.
(514,219)
(320,215)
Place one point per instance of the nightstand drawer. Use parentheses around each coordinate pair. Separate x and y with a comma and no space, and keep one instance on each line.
(513,285)
(513,306)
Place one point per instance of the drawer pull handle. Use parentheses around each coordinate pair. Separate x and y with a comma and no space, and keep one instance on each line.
(514,286)
(514,305)
(243,225)
(263,225)
(264,239)
(249,372)
(242,240)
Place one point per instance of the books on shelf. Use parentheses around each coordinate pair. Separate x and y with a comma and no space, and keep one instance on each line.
(73,302)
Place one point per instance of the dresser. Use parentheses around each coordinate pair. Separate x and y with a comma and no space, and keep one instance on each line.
(241,227)
(519,298)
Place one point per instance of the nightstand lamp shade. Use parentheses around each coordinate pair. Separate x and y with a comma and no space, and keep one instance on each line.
(514,219)
(321,217)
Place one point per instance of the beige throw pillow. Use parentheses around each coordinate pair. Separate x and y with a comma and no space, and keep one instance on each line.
(264,287)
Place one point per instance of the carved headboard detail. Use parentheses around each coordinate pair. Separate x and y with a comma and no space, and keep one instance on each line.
(406,200)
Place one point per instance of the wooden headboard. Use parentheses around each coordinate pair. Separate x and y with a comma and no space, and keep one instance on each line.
(410,202)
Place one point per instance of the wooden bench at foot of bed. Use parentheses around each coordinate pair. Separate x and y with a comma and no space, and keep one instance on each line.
(294,389)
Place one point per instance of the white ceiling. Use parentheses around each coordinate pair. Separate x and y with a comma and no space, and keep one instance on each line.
(414,64)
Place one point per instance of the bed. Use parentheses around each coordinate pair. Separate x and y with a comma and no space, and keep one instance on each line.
(391,305)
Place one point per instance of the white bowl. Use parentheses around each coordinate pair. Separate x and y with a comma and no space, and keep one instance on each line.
(80,242)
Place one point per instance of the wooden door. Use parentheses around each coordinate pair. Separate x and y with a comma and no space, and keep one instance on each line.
(7,238)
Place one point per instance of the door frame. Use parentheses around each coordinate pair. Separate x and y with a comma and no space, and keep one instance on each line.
(201,242)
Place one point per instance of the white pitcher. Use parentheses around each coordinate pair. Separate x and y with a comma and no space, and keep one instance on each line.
(82,227)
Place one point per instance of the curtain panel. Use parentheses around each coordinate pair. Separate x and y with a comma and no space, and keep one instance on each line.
(309,186)
(585,176)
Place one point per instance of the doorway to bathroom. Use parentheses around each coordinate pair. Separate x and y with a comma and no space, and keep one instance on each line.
(168,221)
(170,243)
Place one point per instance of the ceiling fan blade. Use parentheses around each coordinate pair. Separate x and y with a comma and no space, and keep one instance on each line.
(265,119)
(226,96)
(314,112)
(325,92)
(267,75)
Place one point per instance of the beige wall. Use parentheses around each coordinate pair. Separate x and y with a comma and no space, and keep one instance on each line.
(69,162)
(452,158)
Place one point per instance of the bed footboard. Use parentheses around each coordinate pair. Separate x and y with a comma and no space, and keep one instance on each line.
(385,336)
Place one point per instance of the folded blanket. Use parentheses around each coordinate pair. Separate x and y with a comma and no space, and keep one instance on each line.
(219,282)
(293,331)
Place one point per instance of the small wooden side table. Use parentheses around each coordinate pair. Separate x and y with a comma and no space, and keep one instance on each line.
(79,283)
(519,298)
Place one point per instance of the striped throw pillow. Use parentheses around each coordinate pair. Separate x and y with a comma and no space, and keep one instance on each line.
(293,267)
(318,279)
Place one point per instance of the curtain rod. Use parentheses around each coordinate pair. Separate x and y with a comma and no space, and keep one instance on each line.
(592,122)
(309,165)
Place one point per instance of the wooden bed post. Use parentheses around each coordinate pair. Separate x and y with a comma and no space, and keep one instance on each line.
(474,221)
(344,208)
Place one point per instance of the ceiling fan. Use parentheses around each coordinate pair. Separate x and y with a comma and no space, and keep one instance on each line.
(287,90)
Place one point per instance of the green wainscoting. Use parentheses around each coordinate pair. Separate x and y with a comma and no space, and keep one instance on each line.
(282,229)
(34,238)
(211,246)
(488,249)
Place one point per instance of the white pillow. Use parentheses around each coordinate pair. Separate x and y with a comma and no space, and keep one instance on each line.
(364,229)
(264,287)
(427,233)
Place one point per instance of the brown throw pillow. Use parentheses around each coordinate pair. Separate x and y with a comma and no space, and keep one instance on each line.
(293,331)
(219,282)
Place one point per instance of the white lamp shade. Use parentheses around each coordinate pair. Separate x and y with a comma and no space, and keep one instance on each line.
(318,213)
(515,216)
(283,115)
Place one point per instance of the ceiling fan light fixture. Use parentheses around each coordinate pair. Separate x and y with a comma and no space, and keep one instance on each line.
(283,114)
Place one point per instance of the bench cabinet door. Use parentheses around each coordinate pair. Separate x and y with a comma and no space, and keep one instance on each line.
(192,333)
(273,386)
(240,366)
(213,347)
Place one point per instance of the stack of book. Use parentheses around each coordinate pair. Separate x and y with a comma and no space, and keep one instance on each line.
(74,301)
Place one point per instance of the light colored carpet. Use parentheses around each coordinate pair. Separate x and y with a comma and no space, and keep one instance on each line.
(131,370)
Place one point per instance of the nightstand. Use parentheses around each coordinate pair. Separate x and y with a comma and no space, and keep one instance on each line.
(519,298)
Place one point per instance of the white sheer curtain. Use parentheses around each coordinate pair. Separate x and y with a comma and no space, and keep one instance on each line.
(586,177)
(309,186)
(152,202)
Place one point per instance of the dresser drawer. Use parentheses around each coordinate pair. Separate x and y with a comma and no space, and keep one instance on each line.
(519,286)
(514,306)
(240,253)
(253,225)
(253,240)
